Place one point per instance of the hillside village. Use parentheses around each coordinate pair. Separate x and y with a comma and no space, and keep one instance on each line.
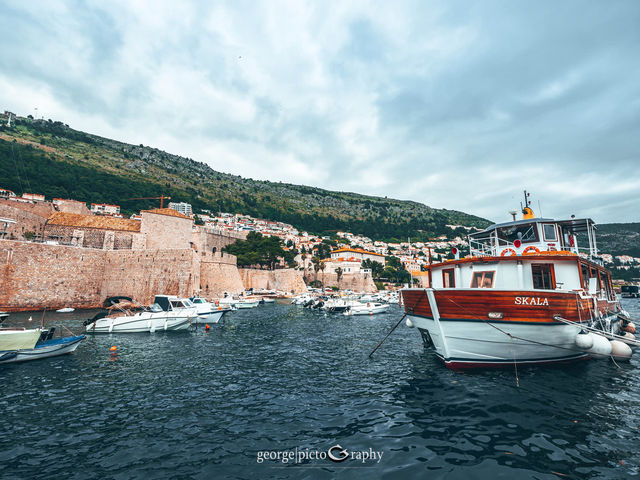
(31,217)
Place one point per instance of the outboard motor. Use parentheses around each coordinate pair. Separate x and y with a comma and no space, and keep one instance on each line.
(98,316)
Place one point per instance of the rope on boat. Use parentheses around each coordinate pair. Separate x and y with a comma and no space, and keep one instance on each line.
(394,327)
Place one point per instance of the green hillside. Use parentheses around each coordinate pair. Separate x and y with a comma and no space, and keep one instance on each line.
(48,157)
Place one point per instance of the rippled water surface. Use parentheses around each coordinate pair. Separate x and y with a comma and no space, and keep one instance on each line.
(202,405)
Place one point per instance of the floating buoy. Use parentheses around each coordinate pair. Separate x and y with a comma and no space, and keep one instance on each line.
(601,347)
(207,327)
(629,338)
(409,323)
(620,350)
(584,340)
(113,348)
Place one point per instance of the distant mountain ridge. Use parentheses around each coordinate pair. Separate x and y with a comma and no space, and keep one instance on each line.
(50,158)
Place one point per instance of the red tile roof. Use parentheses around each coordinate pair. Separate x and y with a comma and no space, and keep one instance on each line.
(94,221)
(167,211)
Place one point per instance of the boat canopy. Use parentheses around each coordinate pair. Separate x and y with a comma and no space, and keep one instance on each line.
(534,235)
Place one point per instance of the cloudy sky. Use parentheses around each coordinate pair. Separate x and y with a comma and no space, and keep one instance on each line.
(455,104)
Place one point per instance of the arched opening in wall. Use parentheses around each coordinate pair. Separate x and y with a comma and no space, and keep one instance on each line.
(213,250)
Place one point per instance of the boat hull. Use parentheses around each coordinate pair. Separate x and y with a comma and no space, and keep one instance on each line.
(479,328)
(209,317)
(49,348)
(462,343)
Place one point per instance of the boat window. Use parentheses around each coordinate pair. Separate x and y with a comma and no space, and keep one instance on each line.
(543,276)
(448,278)
(155,308)
(584,268)
(176,304)
(526,233)
(549,232)
(482,280)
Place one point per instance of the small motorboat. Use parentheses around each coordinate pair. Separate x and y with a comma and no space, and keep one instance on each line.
(66,310)
(45,347)
(207,312)
(367,309)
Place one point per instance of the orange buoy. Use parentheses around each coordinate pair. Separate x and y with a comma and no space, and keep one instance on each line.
(113,348)
(206,327)
(631,328)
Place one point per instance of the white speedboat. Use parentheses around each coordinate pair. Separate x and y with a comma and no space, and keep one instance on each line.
(339,305)
(302,299)
(65,310)
(18,338)
(168,313)
(238,302)
(370,308)
(207,312)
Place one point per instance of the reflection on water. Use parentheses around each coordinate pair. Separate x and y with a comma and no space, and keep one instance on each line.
(202,404)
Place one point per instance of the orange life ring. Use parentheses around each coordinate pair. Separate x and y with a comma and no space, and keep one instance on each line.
(508,251)
(531,249)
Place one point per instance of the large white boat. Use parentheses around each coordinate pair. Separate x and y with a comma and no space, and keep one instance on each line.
(168,313)
(207,312)
(526,293)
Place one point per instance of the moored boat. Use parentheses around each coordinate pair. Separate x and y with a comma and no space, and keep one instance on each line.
(207,312)
(369,308)
(168,313)
(524,294)
(46,347)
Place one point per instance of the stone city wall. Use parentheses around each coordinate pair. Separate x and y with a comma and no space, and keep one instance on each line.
(35,276)
(27,220)
(286,280)
(219,275)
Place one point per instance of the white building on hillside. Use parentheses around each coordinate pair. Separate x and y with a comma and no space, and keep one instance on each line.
(182,207)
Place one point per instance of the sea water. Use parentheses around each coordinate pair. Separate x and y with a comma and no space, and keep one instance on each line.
(283,392)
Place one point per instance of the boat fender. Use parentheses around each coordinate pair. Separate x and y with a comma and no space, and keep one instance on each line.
(629,338)
(584,340)
(601,347)
(409,323)
(508,252)
(620,350)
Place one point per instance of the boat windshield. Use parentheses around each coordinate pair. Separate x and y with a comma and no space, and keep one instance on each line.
(155,308)
(526,233)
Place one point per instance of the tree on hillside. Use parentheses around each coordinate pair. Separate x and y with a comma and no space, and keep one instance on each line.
(339,273)
(375,267)
(260,250)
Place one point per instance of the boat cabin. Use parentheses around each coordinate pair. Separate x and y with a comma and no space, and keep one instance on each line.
(529,254)
(167,303)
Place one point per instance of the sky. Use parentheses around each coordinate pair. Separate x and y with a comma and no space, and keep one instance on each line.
(454,104)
